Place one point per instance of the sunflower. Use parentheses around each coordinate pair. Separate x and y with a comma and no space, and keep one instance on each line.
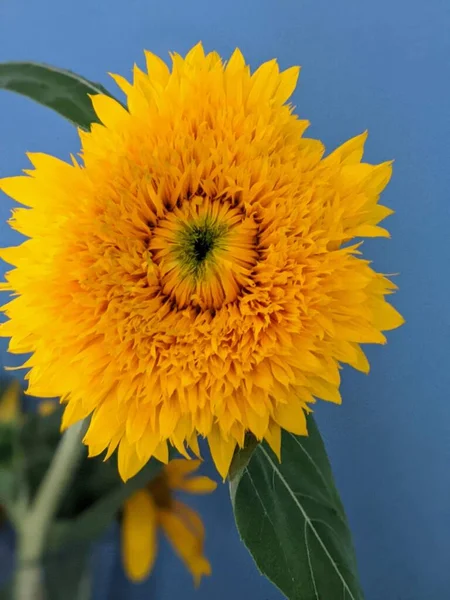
(156,507)
(199,273)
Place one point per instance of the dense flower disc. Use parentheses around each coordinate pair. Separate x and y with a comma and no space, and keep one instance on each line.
(198,273)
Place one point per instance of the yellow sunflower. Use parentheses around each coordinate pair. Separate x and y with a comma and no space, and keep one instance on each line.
(197,273)
(156,507)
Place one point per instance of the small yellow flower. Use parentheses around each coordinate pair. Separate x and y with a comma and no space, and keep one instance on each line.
(10,403)
(156,507)
(47,407)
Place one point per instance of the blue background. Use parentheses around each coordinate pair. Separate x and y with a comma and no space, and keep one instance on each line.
(381,65)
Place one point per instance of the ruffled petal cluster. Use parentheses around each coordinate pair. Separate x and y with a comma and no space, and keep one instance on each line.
(200,271)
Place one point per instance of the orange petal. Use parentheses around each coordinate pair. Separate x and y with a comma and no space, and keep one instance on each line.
(273,438)
(222,450)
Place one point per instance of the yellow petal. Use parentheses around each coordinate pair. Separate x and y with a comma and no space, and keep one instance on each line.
(145,446)
(195,55)
(103,425)
(168,418)
(287,83)
(380,212)
(370,231)
(112,446)
(236,62)
(178,468)
(156,68)
(273,438)
(193,445)
(351,152)
(73,412)
(14,255)
(325,390)
(110,112)
(123,84)
(185,532)
(128,461)
(361,363)
(161,452)
(222,450)
(378,178)
(263,80)
(291,416)
(256,423)
(21,189)
(386,317)
(197,485)
(139,540)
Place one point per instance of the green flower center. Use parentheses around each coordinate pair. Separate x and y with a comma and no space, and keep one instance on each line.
(202,244)
(196,246)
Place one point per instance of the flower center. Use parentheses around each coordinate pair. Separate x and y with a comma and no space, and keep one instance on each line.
(197,246)
(203,243)
(204,253)
(160,490)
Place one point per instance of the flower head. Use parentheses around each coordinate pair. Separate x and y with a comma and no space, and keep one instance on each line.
(198,273)
(156,507)
(47,407)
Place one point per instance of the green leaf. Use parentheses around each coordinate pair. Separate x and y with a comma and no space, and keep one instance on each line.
(63,91)
(7,485)
(6,591)
(94,520)
(291,519)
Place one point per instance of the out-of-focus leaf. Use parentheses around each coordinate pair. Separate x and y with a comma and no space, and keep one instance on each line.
(291,519)
(94,520)
(38,440)
(6,592)
(63,91)
(67,573)
(7,485)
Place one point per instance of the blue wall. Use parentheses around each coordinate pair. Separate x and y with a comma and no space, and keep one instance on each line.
(381,65)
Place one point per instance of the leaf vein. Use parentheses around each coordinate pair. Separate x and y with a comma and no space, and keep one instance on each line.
(309,522)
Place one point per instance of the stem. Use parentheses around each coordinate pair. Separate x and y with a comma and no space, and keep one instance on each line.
(35,524)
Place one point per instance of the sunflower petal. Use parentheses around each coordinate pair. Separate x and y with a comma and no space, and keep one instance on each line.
(198,485)
(138,532)
(185,532)
(273,438)
(222,450)
(128,461)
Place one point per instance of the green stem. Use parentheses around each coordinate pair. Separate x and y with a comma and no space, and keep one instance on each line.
(33,530)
